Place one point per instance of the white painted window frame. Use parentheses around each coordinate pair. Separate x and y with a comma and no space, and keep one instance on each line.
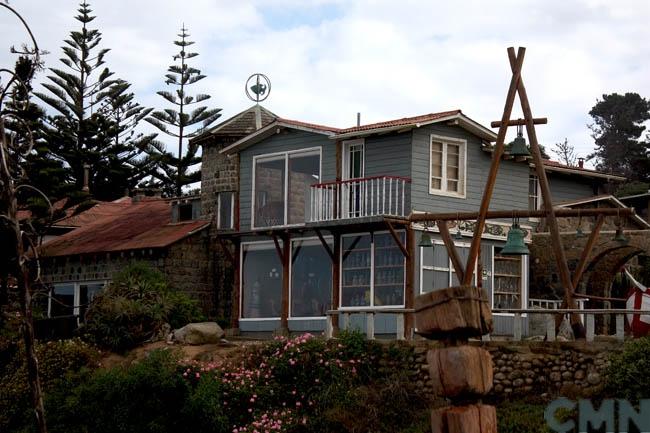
(77,293)
(462,166)
(285,154)
(330,242)
(449,269)
(538,196)
(259,245)
(524,283)
(372,275)
(347,144)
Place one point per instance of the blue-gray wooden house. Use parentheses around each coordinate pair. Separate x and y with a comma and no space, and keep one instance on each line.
(302,209)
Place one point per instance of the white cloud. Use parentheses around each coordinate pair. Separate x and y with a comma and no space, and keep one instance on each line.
(387,59)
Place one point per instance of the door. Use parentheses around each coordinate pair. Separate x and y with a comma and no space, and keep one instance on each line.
(353,171)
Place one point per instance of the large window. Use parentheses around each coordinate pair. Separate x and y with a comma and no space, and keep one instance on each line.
(261,281)
(447,166)
(311,279)
(72,299)
(281,187)
(436,269)
(533,192)
(372,273)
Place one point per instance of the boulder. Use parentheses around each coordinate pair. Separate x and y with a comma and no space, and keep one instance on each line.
(199,333)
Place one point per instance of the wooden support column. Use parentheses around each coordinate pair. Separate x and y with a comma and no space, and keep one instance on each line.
(397,239)
(451,250)
(286,258)
(558,249)
(336,281)
(494,167)
(582,264)
(410,275)
(236,283)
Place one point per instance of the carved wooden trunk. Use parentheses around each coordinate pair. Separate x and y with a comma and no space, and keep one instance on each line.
(477,418)
(461,311)
(462,370)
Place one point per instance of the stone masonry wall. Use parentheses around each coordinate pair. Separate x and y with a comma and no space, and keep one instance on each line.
(218,173)
(543,369)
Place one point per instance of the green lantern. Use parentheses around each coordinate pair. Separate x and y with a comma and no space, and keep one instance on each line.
(579,233)
(515,245)
(425,241)
(518,146)
(458,235)
(620,236)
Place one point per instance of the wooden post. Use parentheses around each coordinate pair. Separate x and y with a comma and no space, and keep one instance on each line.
(550,327)
(370,325)
(286,258)
(582,264)
(329,329)
(589,318)
(336,282)
(517,325)
(451,249)
(346,320)
(399,334)
(494,167)
(409,290)
(620,327)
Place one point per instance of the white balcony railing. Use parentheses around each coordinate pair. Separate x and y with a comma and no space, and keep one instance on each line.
(358,198)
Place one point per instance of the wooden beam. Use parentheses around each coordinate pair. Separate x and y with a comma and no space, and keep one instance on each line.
(517,122)
(397,239)
(278,249)
(494,167)
(325,244)
(226,250)
(336,282)
(451,250)
(286,252)
(500,214)
(586,252)
(410,276)
(560,258)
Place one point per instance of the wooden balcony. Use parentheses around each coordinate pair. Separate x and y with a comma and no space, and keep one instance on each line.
(360,198)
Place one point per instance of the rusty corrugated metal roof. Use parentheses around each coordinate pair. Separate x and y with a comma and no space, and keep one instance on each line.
(139,225)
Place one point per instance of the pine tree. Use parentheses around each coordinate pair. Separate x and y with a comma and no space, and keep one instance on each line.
(617,129)
(83,131)
(176,171)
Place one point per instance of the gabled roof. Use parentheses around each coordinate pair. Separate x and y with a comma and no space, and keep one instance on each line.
(241,124)
(98,211)
(613,202)
(403,124)
(145,224)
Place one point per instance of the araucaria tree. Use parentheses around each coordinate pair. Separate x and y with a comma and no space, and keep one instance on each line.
(83,131)
(617,129)
(176,171)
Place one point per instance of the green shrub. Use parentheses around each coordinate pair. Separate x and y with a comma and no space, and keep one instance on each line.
(58,360)
(147,397)
(134,307)
(519,417)
(628,375)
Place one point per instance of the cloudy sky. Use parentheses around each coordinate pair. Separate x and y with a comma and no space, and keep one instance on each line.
(329,59)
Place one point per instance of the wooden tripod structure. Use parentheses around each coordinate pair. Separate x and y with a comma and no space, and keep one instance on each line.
(465,272)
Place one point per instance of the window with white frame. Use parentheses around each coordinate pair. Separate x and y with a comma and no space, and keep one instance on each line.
(436,269)
(533,192)
(72,299)
(225,210)
(447,166)
(261,281)
(311,278)
(372,271)
(281,187)
(509,280)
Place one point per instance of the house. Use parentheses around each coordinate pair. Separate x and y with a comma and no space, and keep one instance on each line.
(166,234)
(313,218)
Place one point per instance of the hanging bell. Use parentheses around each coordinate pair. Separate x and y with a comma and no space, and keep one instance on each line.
(425,241)
(515,245)
(458,235)
(579,233)
(620,236)
(518,146)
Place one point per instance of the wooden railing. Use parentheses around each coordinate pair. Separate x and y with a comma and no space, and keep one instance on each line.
(368,317)
(357,198)
(589,319)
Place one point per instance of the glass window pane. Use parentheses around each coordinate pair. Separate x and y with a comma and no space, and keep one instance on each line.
(87,293)
(261,281)
(440,257)
(311,279)
(507,281)
(452,185)
(436,146)
(435,183)
(427,281)
(440,280)
(225,210)
(389,270)
(269,192)
(304,171)
(62,300)
(355,278)
(427,256)
(452,173)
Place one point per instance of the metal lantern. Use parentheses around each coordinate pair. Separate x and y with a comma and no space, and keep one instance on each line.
(620,236)
(425,241)
(518,146)
(579,233)
(458,235)
(515,245)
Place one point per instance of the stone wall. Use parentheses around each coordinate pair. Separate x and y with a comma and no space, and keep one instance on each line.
(186,264)
(542,369)
(218,173)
